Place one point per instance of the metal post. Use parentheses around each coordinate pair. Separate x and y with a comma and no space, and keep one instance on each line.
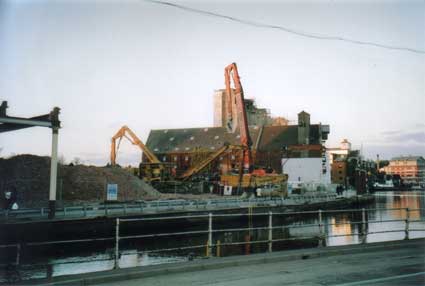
(106,209)
(117,244)
(210,217)
(64,211)
(53,172)
(125,208)
(320,229)
(406,231)
(42,212)
(363,225)
(270,231)
(85,210)
(141,207)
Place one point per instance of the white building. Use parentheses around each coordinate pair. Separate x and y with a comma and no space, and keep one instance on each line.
(307,172)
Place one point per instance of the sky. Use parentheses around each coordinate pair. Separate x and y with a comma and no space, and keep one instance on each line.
(150,66)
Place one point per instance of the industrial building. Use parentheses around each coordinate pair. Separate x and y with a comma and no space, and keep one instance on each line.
(272,140)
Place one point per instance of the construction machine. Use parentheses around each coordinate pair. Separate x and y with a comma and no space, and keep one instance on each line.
(153,170)
(188,174)
(248,178)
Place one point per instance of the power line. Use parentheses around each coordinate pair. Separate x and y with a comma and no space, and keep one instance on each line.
(285,29)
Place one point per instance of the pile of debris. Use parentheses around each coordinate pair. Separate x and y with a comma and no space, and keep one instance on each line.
(29,176)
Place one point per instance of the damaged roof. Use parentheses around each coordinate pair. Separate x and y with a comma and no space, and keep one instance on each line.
(212,138)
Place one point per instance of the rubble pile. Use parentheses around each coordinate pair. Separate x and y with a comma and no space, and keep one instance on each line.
(29,176)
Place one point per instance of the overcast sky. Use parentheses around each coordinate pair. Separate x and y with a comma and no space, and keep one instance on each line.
(150,66)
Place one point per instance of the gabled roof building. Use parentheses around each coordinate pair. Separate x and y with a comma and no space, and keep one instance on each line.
(188,146)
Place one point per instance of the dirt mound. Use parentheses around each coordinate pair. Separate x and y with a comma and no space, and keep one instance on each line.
(29,176)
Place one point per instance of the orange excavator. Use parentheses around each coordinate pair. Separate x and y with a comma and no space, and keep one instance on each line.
(153,170)
(248,177)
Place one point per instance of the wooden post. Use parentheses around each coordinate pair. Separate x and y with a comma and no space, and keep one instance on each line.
(320,229)
(218,254)
(18,253)
(117,244)
(406,231)
(270,231)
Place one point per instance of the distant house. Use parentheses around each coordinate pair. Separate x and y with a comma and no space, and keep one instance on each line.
(410,168)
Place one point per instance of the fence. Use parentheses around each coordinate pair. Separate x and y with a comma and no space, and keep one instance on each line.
(93,210)
(209,243)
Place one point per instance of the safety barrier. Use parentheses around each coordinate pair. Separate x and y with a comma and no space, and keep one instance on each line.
(114,209)
(269,227)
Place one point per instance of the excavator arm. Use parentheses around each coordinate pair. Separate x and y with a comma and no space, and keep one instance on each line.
(198,168)
(132,137)
(231,71)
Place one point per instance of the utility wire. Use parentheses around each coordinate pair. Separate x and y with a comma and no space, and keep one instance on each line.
(282,28)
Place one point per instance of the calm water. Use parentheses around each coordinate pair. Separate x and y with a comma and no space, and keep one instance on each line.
(90,260)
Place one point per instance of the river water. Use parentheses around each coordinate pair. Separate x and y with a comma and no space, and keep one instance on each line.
(337,225)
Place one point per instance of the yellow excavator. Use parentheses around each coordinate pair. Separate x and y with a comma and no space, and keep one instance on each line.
(153,170)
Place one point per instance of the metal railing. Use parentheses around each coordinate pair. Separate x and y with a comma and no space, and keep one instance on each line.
(209,243)
(114,209)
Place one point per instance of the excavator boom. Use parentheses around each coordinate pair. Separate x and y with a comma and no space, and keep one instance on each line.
(196,169)
(132,137)
(231,71)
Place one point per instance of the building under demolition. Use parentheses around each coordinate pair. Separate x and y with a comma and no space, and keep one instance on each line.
(272,139)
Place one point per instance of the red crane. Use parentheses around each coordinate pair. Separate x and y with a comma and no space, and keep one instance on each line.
(237,101)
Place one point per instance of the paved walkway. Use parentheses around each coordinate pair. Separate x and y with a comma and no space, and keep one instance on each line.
(401,265)
(383,263)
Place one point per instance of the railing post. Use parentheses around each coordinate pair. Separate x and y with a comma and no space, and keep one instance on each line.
(117,244)
(64,211)
(406,231)
(210,217)
(320,229)
(125,208)
(42,212)
(141,207)
(270,231)
(106,209)
(363,225)
(85,210)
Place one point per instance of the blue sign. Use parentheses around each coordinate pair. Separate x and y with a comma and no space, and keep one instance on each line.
(112,192)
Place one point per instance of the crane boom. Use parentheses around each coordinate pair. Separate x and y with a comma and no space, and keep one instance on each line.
(196,169)
(132,137)
(231,71)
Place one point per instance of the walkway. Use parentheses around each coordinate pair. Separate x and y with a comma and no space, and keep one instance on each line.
(385,263)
